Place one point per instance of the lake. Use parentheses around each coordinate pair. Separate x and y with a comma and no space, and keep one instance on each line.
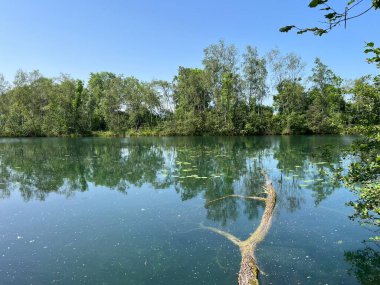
(137,211)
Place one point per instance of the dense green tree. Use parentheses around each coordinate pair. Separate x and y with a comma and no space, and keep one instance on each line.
(291,102)
(219,61)
(192,99)
(128,103)
(326,112)
(97,85)
(141,104)
(255,76)
(112,105)
(365,106)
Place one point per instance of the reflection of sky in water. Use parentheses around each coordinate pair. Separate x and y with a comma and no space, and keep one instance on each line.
(134,208)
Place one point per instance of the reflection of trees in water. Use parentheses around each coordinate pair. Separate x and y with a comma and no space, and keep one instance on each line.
(314,160)
(66,166)
(365,265)
(212,167)
(289,195)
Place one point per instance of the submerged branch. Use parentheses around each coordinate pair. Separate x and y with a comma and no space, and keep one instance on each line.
(249,270)
(237,196)
(227,235)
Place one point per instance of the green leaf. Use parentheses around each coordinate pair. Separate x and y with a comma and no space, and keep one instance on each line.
(370,44)
(315,3)
(286,29)
(330,15)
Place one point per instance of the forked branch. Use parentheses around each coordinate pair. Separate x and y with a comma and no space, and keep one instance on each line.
(249,270)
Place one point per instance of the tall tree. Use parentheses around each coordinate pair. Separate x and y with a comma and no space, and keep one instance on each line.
(365,106)
(255,76)
(291,102)
(164,91)
(192,99)
(286,72)
(219,59)
(97,85)
(4,85)
(326,112)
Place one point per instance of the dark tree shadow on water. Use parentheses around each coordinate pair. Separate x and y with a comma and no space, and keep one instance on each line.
(365,265)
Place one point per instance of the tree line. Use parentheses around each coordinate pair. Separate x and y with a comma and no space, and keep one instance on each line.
(225,97)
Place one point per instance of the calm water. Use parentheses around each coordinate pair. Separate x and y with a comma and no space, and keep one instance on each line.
(128,211)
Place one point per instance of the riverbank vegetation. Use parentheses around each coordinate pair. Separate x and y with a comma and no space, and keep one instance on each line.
(364,174)
(232,94)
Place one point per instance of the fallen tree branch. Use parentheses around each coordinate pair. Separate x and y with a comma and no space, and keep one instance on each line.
(249,270)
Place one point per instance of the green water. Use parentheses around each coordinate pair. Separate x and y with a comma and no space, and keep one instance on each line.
(128,211)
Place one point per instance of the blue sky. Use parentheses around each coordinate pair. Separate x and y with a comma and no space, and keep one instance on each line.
(149,39)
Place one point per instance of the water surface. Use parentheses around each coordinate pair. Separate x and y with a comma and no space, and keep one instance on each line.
(128,211)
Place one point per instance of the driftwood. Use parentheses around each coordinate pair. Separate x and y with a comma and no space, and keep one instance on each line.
(249,270)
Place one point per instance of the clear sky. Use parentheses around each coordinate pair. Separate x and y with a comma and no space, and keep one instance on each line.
(149,39)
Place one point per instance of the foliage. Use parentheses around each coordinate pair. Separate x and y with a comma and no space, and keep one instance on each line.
(365,265)
(225,97)
(364,178)
(363,175)
(333,17)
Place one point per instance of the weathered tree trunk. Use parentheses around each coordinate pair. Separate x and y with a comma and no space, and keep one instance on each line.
(249,270)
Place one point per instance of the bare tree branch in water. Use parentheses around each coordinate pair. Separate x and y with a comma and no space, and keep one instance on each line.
(249,270)
(237,196)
